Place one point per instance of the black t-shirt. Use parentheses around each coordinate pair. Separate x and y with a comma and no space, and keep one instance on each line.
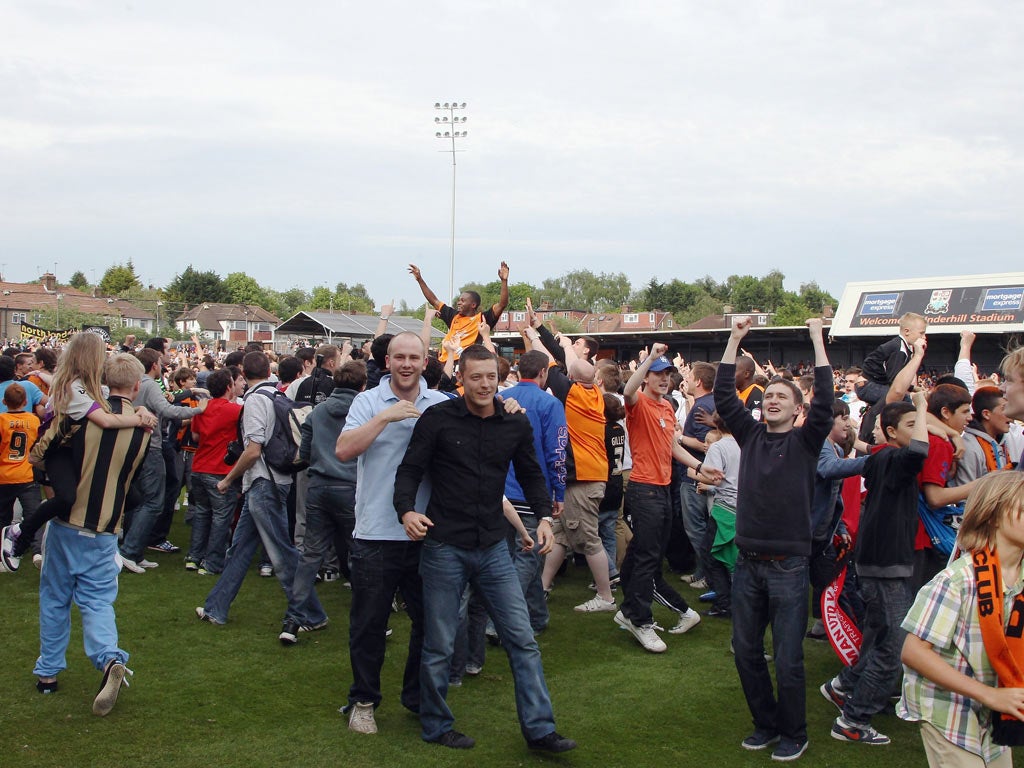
(315,388)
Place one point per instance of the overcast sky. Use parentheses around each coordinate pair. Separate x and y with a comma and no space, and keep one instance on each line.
(834,141)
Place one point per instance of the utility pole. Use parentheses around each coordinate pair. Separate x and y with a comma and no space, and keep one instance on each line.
(447,132)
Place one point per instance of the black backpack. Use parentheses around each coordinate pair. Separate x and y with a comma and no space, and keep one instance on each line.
(281,451)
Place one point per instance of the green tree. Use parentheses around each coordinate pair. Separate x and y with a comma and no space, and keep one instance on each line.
(119,279)
(583,289)
(353,298)
(243,289)
(78,281)
(195,287)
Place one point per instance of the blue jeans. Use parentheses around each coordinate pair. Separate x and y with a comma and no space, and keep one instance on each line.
(871,681)
(330,515)
(606,521)
(695,521)
(529,566)
(212,513)
(446,570)
(149,483)
(79,567)
(772,592)
(264,518)
(378,569)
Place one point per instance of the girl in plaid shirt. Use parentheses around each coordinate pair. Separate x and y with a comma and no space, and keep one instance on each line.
(950,684)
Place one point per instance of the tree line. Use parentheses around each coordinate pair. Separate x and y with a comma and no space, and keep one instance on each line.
(580,289)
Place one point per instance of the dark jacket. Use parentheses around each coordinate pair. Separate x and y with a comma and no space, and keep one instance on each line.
(885,361)
(777,471)
(888,522)
(320,433)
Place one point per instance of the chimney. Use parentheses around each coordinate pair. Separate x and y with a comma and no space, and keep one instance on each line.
(727,309)
(624,309)
(49,282)
(545,306)
(826,311)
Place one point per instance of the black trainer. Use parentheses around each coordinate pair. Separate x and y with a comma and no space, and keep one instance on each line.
(553,742)
(454,740)
(289,632)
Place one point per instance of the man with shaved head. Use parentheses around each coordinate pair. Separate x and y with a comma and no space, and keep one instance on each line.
(586,472)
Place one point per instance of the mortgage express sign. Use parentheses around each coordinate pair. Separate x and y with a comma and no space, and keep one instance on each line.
(981,303)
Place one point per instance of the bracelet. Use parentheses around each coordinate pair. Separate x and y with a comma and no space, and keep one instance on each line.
(699,468)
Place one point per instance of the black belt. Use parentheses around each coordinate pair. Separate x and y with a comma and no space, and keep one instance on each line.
(762,556)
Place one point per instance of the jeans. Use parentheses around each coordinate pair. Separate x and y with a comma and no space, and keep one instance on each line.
(716,572)
(212,513)
(264,518)
(641,576)
(149,482)
(79,567)
(26,493)
(378,569)
(174,467)
(446,570)
(606,521)
(330,515)
(871,681)
(695,522)
(470,640)
(529,566)
(772,592)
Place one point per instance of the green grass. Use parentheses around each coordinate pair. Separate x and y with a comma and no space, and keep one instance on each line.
(233,696)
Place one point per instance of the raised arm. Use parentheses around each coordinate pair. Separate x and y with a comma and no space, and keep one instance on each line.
(816,330)
(428,294)
(386,311)
(502,301)
(905,379)
(740,328)
(484,334)
(632,389)
(963,369)
(428,326)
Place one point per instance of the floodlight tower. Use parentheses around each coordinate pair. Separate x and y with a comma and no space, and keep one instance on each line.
(447,131)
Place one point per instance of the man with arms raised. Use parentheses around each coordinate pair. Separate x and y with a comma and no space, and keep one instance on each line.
(773,534)
(464,320)
(651,423)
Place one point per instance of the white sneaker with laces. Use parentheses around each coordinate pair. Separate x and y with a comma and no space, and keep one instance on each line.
(596,604)
(360,718)
(687,621)
(131,565)
(645,634)
(148,564)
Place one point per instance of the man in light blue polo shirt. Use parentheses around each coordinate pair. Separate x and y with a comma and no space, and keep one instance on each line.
(383,559)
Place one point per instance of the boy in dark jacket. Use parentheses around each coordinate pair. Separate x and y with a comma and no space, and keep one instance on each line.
(888,359)
(885,565)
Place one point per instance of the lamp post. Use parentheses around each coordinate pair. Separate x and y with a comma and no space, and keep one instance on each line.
(447,132)
(59,297)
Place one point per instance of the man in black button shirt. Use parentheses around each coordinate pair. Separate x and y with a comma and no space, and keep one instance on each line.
(466,446)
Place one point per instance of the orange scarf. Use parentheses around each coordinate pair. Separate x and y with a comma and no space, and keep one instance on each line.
(1004,642)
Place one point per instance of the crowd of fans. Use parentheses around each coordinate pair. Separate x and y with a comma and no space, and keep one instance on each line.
(872,503)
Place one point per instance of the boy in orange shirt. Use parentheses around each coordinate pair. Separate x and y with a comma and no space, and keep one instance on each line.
(18,432)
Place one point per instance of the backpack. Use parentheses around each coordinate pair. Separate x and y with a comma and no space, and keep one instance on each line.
(281,451)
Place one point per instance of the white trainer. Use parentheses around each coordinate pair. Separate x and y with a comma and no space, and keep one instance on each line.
(645,635)
(596,604)
(360,718)
(687,621)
